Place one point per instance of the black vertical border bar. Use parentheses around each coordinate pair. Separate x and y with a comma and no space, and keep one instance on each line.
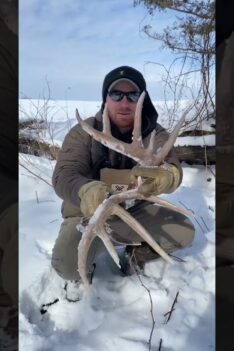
(9,117)
(224,191)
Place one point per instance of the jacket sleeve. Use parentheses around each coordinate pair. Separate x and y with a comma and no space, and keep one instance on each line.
(73,167)
(161,137)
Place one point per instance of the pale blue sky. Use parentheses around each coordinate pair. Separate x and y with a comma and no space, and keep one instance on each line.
(75,43)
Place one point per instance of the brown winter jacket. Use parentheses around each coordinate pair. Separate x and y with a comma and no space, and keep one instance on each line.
(81,158)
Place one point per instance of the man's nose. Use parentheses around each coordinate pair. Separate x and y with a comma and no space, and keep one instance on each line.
(124,101)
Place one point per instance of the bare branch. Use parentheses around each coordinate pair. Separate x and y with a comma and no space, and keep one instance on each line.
(172,308)
(149,293)
(192,36)
(36,175)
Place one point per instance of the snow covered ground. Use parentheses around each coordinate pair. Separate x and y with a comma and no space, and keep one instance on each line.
(116,314)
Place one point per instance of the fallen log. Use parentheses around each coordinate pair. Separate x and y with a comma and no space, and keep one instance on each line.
(196,154)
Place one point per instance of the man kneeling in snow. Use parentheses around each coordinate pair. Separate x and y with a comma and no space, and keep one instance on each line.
(86,171)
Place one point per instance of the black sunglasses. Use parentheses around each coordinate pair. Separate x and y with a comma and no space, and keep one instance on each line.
(132,96)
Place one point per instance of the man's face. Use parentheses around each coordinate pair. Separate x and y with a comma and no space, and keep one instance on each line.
(122,112)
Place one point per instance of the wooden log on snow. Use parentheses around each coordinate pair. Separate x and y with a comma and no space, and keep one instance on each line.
(196,154)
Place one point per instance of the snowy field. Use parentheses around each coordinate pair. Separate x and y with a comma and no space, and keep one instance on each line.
(59,115)
(116,314)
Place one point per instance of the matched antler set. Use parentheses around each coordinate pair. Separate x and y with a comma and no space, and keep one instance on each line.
(144,156)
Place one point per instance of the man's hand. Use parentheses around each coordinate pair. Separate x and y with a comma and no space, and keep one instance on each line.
(158,180)
(91,195)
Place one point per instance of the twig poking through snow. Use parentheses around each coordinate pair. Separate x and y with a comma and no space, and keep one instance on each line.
(160,345)
(172,309)
(150,297)
(205,224)
(211,208)
(54,220)
(34,174)
(176,258)
(211,171)
(43,310)
(37,197)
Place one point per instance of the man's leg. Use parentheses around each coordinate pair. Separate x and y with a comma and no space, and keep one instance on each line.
(65,253)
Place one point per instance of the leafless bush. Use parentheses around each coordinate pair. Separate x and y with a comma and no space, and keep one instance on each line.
(37,132)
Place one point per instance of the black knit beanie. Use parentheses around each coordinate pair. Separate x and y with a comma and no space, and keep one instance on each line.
(129,73)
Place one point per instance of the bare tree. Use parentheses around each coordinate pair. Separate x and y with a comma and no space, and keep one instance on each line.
(191,38)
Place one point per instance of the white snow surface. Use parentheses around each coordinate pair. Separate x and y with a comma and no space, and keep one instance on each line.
(116,313)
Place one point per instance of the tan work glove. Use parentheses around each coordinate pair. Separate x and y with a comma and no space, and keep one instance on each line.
(159,180)
(91,195)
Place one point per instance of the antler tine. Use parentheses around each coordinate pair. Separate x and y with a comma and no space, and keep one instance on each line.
(84,125)
(83,249)
(134,224)
(108,244)
(163,152)
(161,202)
(96,227)
(137,137)
(89,235)
(106,121)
